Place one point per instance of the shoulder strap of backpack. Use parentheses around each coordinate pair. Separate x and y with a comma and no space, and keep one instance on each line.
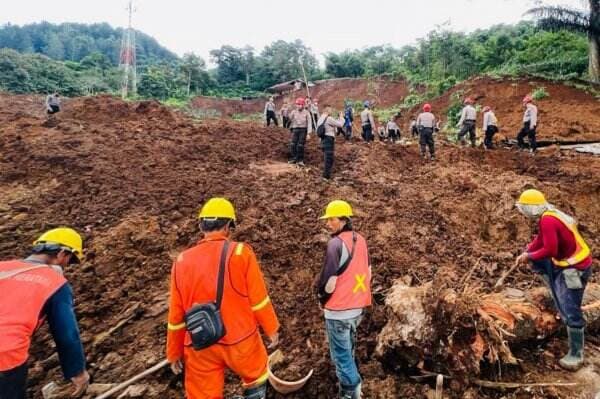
(345,265)
(221,281)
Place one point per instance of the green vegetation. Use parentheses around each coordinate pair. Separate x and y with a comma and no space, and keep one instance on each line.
(78,59)
(27,73)
(556,18)
(73,42)
(539,93)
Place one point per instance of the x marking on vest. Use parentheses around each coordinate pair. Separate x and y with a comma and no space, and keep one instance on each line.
(360,283)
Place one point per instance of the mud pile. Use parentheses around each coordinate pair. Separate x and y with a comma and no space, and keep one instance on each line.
(567,114)
(131,177)
(333,92)
(381,92)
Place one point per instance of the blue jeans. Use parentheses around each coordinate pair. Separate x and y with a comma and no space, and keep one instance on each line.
(567,300)
(341,335)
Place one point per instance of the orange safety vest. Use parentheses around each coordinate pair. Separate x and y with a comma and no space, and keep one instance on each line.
(582,251)
(353,286)
(196,275)
(25,294)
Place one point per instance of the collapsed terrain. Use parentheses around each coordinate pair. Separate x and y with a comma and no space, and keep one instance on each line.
(566,114)
(131,177)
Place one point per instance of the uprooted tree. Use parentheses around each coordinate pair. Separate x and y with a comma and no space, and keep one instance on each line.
(458,329)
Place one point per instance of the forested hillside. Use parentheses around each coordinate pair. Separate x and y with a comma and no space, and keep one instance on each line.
(82,59)
(73,42)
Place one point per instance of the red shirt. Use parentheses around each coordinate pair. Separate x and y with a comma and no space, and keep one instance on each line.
(555,240)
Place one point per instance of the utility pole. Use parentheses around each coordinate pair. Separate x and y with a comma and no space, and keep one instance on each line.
(127,59)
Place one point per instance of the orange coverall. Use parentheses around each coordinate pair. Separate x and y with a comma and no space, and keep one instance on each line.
(246,304)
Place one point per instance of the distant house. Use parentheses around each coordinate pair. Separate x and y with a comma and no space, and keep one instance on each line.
(289,86)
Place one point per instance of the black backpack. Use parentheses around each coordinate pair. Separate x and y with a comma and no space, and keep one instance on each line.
(204,321)
(321,128)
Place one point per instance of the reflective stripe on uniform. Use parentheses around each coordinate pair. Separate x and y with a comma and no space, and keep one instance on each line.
(261,305)
(175,327)
(260,380)
(239,248)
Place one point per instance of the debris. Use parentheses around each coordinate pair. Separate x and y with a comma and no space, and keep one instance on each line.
(514,385)
(132,380)
(500,281)
(468,327)
(129,314)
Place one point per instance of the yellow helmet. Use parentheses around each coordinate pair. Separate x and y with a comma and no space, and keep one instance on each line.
(217,208)
(338,209)
(532,197)
(64,237)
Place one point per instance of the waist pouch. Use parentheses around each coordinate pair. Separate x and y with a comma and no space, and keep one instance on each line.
(203,321)
(205,325)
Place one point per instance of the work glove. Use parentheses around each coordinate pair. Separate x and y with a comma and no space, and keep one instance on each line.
(81,382)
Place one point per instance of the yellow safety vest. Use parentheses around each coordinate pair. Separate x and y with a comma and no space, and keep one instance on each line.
(582,250)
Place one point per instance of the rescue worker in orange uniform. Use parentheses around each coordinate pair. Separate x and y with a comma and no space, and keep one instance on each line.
(344,291)
(564,260)
(245,305)
(34,289)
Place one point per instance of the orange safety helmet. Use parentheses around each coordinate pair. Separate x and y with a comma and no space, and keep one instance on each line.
(468,100)
(427,107)
(300,101)
(527,99)
(487,108)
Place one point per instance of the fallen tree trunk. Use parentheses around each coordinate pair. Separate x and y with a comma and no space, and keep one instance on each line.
(459,330)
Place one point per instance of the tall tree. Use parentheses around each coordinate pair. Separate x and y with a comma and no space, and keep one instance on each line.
(54,48)
(194,69)
(248,62)
(282,60)
(230,61)
(588,22)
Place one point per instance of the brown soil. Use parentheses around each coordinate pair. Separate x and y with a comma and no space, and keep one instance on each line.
(131,176)
(567,114)
(227,107)
(333,92)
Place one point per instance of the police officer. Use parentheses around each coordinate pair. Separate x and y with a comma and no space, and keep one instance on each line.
(426,124)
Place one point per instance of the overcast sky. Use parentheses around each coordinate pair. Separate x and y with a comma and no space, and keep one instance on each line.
(324,25)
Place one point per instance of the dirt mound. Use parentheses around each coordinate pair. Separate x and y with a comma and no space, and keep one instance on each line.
(382,92)
(567,113)
(334,92)
(132,184)
(217,107)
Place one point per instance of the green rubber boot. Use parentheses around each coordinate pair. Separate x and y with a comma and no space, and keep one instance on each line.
(574,359)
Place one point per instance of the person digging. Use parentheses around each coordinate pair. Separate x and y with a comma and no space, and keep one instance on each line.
(563,259)
(344,291)
(34,290)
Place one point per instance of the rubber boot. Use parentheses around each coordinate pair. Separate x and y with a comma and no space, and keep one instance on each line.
(574,359)
(351,394)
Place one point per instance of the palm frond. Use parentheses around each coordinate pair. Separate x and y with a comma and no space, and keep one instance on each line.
(556,18)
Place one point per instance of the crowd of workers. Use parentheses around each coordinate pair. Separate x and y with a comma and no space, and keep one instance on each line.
(304,118)
(219,301)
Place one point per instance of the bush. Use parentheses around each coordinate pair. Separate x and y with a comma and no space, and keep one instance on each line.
(540,93)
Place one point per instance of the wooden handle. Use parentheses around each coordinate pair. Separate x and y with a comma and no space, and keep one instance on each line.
(130,381)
